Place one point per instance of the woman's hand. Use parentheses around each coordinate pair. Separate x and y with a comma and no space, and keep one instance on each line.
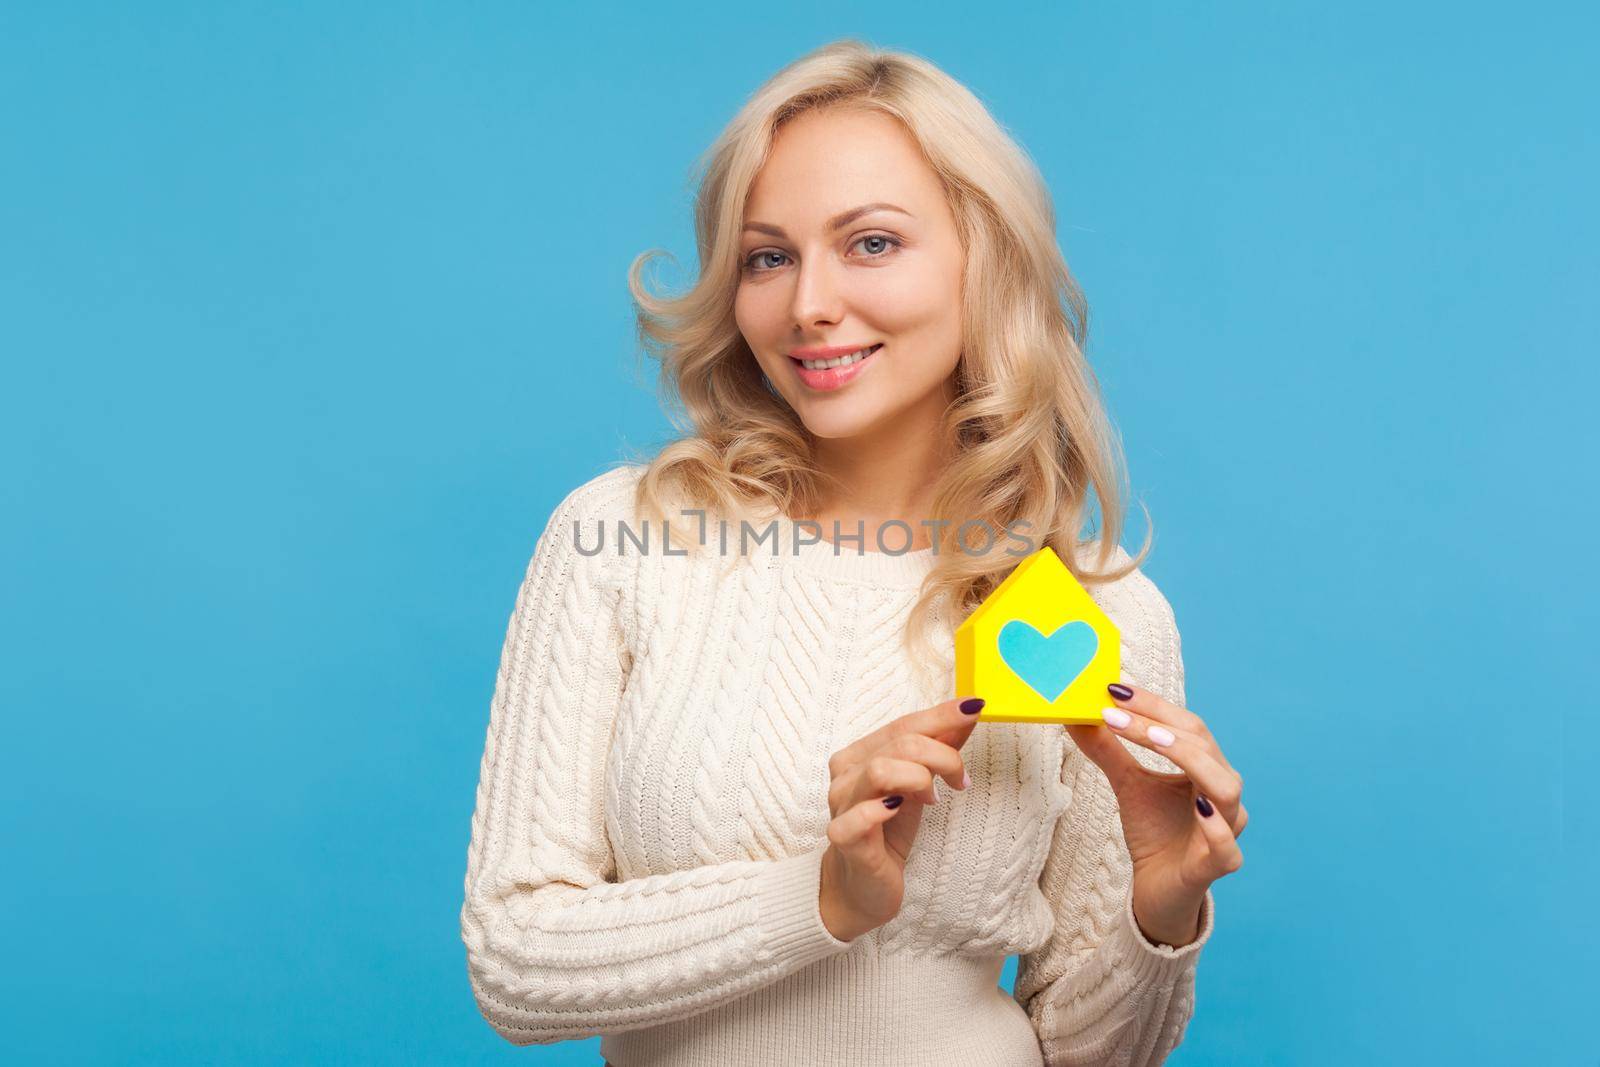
(863,870)
(1182,829)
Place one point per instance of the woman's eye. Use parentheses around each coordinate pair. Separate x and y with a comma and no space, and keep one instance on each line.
(885,238)
(757,256)
(883,243)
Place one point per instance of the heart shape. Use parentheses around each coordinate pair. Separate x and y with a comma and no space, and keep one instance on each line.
(1048,664)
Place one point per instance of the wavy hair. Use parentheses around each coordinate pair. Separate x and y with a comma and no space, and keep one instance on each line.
(1030,433)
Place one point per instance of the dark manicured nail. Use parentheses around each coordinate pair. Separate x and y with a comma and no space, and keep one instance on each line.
(972,705)
(1120,691)
(892,802)
(1204,805)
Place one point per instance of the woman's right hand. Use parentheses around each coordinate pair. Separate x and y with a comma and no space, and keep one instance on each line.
(863,870)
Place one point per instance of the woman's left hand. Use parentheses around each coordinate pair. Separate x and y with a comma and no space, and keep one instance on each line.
(1177,849)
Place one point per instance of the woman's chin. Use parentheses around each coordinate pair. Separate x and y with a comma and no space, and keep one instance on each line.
(841,425)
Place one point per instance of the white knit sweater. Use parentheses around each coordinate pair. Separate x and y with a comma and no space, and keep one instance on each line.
(652,814)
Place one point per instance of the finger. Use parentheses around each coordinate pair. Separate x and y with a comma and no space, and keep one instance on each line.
(937,756)
(952,721)
(1217,782)
(945,722)
(1152,706)
(858,832)
(1102,746)
(1226,856)
(879,777)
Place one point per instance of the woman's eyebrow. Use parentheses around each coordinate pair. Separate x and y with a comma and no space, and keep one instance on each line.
(837,222)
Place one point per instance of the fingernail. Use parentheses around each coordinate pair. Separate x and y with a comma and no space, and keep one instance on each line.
(966,780)
(971,705)
(1161,735)
(892,802)
(1116,717)
(1120,691)
(1204,805)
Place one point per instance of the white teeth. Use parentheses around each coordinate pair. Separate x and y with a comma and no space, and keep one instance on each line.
(841,361)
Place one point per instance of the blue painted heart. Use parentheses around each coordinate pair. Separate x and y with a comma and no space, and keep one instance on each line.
(1048,665)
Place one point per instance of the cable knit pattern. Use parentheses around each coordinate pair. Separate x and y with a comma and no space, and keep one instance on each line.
(652,812)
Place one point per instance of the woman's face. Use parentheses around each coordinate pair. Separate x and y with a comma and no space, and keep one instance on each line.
(817,275)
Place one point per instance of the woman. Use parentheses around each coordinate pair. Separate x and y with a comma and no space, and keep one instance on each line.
(709,825)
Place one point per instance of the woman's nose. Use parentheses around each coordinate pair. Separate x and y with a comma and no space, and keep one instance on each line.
(816,295)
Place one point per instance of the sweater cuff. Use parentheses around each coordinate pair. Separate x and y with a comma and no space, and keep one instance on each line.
(1160,964)
(789,914)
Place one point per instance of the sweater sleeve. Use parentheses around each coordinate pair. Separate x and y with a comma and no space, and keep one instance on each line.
(1098,991)
(557,948)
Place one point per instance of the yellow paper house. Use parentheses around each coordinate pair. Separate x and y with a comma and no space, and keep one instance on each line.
(1038,649)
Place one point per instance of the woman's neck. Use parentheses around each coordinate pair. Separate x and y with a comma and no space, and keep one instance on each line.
(886,475)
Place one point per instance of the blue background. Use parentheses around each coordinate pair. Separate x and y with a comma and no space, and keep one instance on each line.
(311,313)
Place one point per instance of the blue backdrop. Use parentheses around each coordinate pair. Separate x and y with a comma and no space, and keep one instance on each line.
(311,313)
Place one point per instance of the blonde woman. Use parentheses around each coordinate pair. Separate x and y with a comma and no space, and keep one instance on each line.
(711,825)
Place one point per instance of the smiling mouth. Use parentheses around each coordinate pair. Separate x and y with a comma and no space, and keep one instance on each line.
(846,361)
(833,375)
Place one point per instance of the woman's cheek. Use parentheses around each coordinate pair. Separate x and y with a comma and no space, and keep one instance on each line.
(910,301)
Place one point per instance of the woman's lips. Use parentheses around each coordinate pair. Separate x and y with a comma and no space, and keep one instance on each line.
(829,378)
